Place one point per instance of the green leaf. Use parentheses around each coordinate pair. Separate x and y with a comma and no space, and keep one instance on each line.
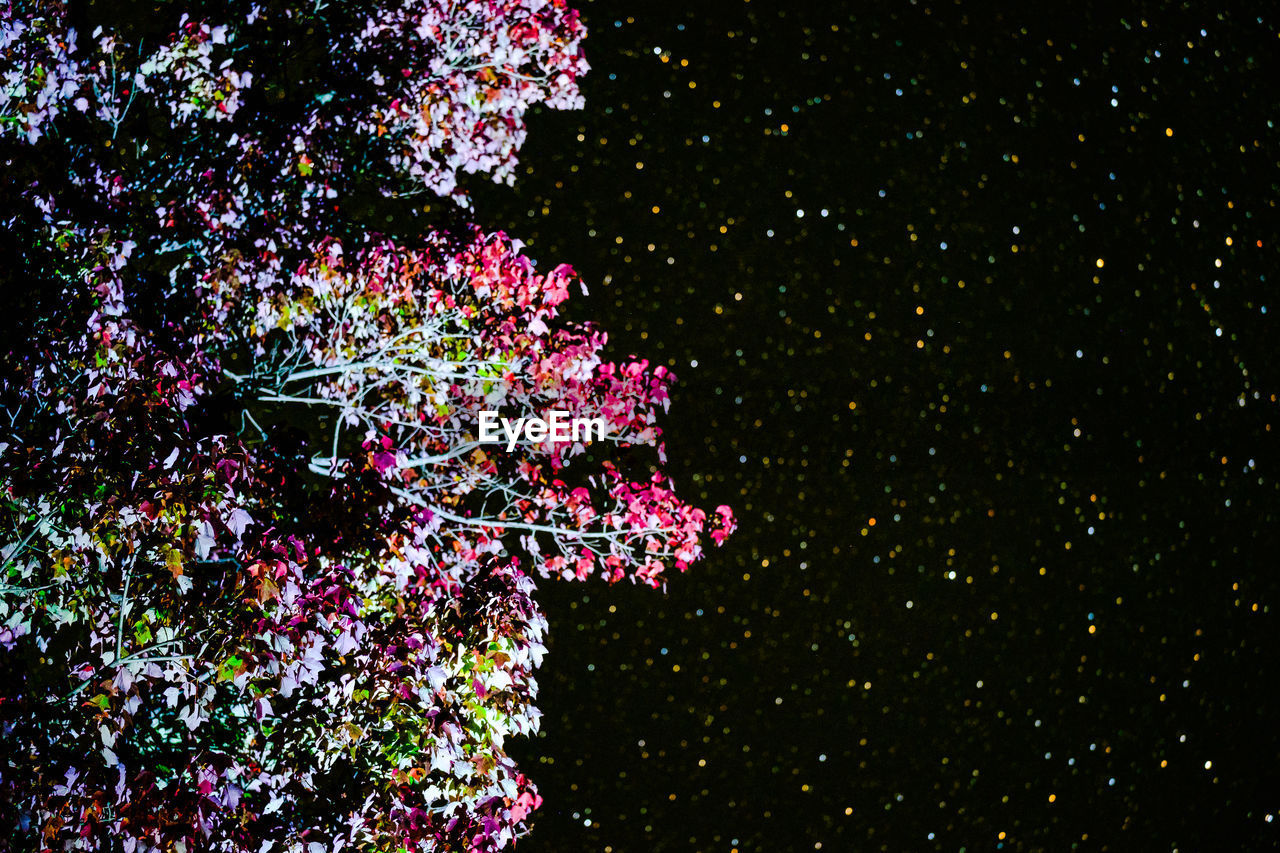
(228,669)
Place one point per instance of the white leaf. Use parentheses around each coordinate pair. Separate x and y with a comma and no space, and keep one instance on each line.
(238,521)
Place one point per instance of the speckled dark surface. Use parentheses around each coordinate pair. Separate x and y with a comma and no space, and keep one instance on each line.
(1003,284)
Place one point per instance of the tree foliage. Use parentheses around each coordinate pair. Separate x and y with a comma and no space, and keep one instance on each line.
(262,588)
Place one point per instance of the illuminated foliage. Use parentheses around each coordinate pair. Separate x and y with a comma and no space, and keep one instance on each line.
(262,589)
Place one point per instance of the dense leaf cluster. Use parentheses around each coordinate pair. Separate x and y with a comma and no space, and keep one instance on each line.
(262,589)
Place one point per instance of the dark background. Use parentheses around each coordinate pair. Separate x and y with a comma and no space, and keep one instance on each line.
(1024,328)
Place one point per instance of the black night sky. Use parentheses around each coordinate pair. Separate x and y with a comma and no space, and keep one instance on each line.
(972,314)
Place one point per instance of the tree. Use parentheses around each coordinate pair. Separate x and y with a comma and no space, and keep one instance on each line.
(262,588)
